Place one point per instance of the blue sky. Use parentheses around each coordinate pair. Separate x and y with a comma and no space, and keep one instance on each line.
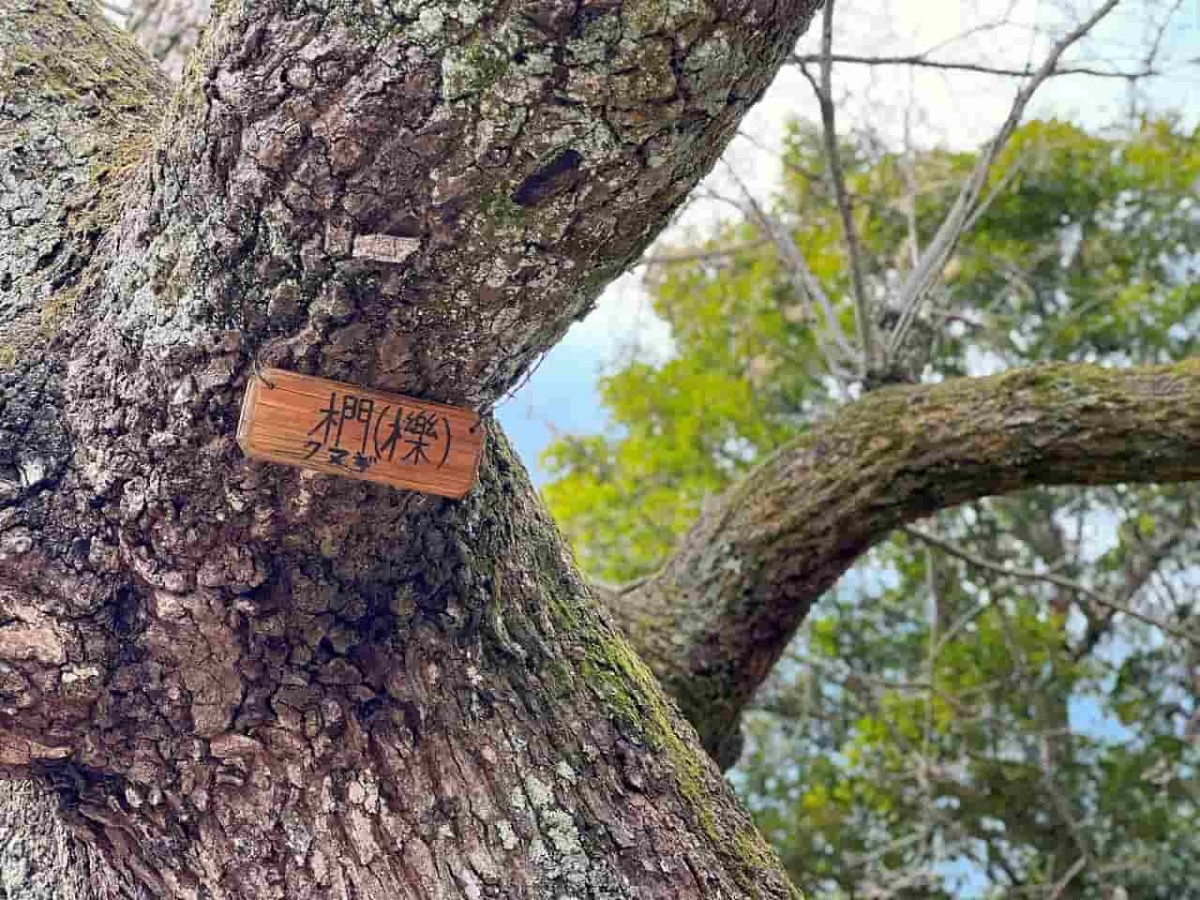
(561,395)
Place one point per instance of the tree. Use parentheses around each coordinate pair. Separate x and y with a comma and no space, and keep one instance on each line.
(927,723)
(247,681)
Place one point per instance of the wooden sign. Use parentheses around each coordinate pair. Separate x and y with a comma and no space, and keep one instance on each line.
(343,429)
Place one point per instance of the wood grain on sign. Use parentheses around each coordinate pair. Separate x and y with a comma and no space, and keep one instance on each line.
(347,430)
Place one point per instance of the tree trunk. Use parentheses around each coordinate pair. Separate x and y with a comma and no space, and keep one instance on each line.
(248,681)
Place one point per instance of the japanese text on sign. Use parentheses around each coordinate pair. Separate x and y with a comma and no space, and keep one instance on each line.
(333,427)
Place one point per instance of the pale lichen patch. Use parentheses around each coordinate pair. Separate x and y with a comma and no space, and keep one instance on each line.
(540,794)
(385,248)
(508,837)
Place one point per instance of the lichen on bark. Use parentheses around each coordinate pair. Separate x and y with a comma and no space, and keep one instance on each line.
(75,115)
(250,681)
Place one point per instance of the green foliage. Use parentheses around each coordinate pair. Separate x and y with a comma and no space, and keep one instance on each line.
(1084,255)
(938,728)
(689,427)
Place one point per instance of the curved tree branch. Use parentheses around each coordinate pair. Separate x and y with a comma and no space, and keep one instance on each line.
(715,619)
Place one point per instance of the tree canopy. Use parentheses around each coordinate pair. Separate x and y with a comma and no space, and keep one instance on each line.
(1009,689)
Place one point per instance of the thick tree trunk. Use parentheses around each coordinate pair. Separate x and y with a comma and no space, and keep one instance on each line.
(246,681)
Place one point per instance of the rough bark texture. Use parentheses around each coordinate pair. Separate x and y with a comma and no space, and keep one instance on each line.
(246,681)
(714,621)
(40,858)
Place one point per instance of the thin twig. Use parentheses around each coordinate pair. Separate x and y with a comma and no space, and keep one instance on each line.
(670,257)
(808,287)
(920,60)
(996,190)
(952,227)
(1156,44)
(1058,799)
(1030,575)
(909,169)
(837,179)
(1135,579)
(1058,889)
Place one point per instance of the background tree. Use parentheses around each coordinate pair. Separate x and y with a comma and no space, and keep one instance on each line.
(1000,702)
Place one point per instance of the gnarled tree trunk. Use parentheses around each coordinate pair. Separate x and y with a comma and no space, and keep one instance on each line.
(248,681)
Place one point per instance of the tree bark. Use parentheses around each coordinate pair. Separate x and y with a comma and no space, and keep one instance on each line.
(62,152)
(713,622)
(248,681)
(40,859)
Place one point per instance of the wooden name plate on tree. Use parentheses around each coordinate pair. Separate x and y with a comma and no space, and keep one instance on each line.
(343,429)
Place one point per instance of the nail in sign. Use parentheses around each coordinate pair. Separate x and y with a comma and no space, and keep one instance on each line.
(343,429)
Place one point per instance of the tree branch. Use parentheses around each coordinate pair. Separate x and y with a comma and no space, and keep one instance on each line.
(676,257)
(912,292)
(831,339)
(307,135)
(922,60)
(862,310)
(714,620)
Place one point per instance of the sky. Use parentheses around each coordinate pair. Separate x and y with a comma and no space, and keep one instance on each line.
(956,110)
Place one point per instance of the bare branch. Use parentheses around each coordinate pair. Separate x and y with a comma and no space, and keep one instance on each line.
(1065,881)
(807,286)
(1136,578)
(921,60)
(912,293)
(909,203)
(959,552)
(675,257)
(837,178)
